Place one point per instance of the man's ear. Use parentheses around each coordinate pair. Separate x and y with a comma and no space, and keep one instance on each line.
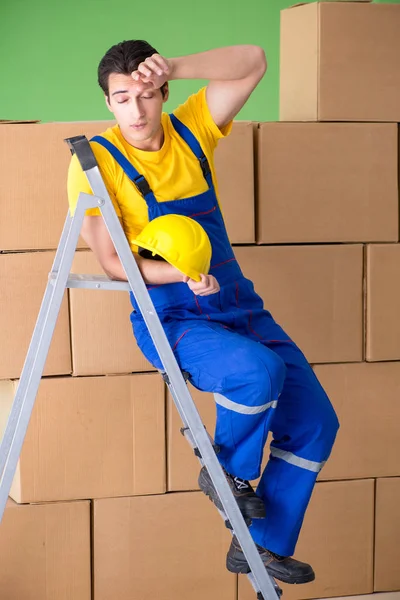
(108,103)
(166,92)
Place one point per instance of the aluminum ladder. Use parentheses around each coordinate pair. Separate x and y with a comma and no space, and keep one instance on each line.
(59,279)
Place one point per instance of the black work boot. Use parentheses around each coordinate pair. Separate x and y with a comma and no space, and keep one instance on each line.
(251,506)
(284,568)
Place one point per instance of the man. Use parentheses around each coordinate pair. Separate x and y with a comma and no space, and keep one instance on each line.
(156,164)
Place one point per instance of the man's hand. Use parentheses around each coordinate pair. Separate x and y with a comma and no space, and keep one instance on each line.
(207,286)
(155,70)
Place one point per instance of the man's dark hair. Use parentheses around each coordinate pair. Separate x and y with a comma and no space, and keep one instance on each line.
(123,58)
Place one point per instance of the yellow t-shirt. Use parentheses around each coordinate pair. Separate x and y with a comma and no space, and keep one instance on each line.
(173,172)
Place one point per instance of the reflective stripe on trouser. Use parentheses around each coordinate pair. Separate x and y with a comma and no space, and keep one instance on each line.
(242,408)
(303,463)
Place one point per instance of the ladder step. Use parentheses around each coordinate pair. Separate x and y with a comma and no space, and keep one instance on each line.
(185,374)
(93,282)
(278,590)
(185,431)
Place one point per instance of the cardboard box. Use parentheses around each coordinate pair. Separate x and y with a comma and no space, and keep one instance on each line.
(387,535)
(91,437)
(337,540)
(327,182)
(234,164)
(34,163)
(164,547)
(365,398)
(45,552)
(23,280)
(102,339)
(382,302)
(339,62)
(383,595)
(314,293)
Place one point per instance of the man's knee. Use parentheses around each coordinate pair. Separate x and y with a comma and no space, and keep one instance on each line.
(325,423)
(330,423)
(259,380)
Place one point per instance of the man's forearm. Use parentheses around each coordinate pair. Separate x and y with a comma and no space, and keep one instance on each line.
(233,62)
(153,271)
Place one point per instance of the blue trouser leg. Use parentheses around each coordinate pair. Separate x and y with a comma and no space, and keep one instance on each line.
(304,428)
(262,389)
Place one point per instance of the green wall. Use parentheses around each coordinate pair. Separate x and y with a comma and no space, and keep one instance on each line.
(50,49)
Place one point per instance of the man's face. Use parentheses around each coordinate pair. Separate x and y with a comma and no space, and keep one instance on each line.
(137,107)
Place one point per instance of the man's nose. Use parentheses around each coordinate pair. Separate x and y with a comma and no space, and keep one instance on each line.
(137,110)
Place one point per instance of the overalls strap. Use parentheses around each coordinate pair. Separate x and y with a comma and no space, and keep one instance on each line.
(139,180)
(194,145)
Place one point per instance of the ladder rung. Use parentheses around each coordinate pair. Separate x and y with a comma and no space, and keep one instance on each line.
(185,431)
(278,590)
(94,282)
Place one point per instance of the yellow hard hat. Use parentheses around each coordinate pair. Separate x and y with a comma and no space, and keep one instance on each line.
(179,240)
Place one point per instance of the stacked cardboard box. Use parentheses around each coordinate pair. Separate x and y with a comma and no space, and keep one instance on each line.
(326,263)
(105,500)
(96,441)
(45,551)
(88,437)
(328,174)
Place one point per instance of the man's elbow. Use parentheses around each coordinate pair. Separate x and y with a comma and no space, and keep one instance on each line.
(108,272)
(111,275)
(260,61)
(108,265)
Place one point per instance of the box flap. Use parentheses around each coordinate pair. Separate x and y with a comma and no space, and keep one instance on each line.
(322,2)
(12,122)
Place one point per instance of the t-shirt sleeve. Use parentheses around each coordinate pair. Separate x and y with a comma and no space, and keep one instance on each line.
(77,182)
(195,114)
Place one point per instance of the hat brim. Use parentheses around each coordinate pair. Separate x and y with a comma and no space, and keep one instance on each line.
(187,271)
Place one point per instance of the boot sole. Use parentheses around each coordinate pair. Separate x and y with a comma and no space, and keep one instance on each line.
(241,567)
(208,489)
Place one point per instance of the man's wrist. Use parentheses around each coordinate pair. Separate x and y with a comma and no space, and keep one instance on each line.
(172,64)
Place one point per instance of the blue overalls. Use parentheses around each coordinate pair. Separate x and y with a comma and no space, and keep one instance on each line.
(232,347)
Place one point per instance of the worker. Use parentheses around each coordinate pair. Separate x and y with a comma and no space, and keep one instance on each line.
(157,164)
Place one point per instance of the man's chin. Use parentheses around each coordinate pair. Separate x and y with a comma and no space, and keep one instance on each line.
(140,135)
